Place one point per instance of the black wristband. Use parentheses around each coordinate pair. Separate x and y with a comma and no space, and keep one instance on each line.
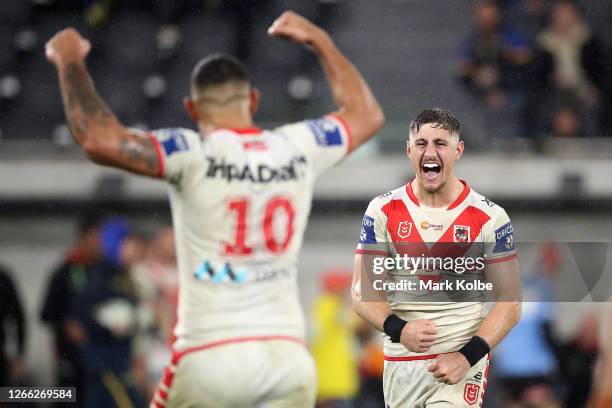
(393,327)
(475,349)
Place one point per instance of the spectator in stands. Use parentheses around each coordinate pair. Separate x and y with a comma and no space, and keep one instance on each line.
(524,361)
(332,346)
(572,60)
(371,367)
(566,122)
(66,282)
(492,59)
(12,368)
(529,17)
(106,310)
(156,282)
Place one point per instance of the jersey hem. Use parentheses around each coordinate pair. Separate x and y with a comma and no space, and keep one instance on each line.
(178,355)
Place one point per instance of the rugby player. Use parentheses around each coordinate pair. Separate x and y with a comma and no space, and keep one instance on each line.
(436,353)
(240,199)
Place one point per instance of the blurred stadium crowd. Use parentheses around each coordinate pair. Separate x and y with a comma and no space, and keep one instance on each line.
(110,305)
(528,68)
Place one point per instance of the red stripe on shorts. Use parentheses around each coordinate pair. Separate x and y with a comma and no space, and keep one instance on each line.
(179,354)
(413,358)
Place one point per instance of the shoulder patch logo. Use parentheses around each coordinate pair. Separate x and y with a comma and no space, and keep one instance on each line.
(367,235)
(404,229)
(326,132)
(504,238)
(174,142)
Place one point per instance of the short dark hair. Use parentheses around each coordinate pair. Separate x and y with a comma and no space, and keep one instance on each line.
(438,118)
(88,222)
(217,69)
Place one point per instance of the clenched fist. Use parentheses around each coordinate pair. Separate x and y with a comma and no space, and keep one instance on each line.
(419,335)
(67,46)
(450,368)
(294,27)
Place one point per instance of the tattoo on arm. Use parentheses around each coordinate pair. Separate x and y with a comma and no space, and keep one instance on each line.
(82,104)
(86,111)
(139,149)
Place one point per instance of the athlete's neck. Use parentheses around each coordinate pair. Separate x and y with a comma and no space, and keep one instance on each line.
(442,198)
(225,122)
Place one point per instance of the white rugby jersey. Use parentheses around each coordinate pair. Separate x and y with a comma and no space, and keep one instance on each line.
(240,201)
(473,226)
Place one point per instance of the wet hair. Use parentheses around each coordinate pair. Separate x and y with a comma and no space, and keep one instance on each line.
(438,118)
(217,69)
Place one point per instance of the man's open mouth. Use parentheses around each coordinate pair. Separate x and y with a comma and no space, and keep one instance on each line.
(431,171)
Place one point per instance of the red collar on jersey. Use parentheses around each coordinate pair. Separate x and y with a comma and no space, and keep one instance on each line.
(459,200)
(245,131)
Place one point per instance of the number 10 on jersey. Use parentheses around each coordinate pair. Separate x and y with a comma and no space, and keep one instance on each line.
(274,209)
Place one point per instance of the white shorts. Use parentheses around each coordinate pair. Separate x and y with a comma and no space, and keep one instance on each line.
(408,384)
(262,372)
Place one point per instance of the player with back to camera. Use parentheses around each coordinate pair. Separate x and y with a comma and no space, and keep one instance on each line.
(240,199)
(436,352)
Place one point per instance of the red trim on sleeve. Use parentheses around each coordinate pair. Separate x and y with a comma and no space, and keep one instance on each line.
(502,259)
(347,130)
(160,156)
(371,252)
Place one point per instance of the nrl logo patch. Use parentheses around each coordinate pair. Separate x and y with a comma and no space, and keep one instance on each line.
(404,229)
(470,393)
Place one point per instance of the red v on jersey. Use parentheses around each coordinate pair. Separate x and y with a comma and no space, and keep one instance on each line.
(406,238)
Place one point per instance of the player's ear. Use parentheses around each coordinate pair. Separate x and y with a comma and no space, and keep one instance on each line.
(190,108)
(460,147)
(254,103)
(408,150)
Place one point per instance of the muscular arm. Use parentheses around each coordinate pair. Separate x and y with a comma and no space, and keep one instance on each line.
(417,335)
(356,104)
(354,99)
(374,313)
(507,310)
(93,125)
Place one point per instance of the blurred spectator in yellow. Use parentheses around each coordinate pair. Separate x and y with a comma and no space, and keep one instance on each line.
(156,281)
(66,282)
(333,346)
(601,395)
(12,368)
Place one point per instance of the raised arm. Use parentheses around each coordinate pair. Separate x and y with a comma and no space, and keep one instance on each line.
(93,125)
(356,104)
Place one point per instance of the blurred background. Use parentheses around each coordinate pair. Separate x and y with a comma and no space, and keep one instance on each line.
(529,80)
